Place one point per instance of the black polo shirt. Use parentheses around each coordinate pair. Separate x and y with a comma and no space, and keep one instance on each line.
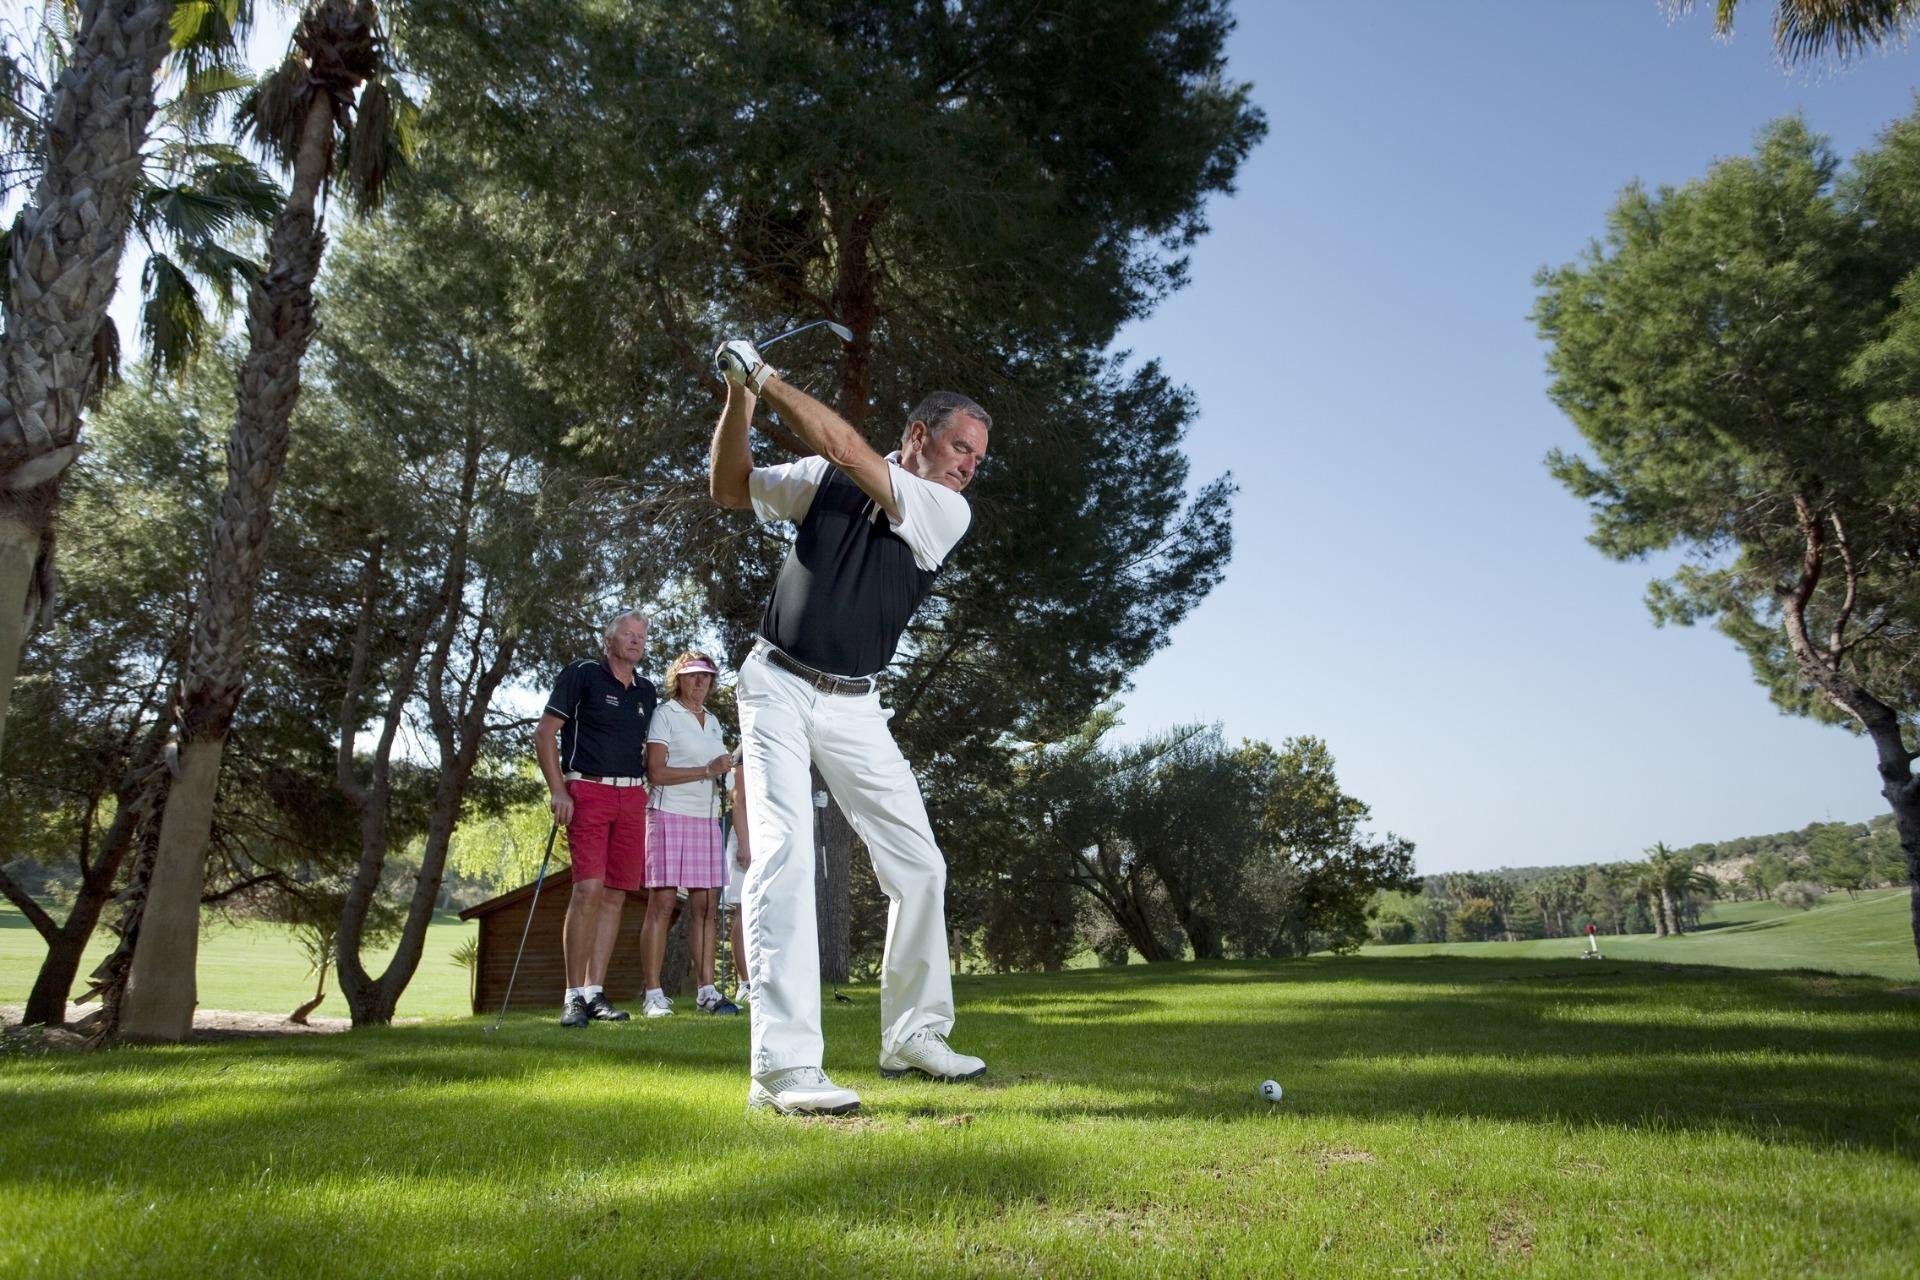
(606,721)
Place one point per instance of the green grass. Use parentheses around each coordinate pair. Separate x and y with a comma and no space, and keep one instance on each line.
(255,967)
(1444,1116)
(1871,934)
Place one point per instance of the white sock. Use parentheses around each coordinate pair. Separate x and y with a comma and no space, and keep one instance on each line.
(576,991)
(588,993)
(656,991)
(707,993)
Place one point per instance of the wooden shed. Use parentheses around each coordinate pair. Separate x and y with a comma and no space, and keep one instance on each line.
(543,977)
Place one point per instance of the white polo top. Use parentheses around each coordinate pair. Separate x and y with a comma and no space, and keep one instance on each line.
(690,745)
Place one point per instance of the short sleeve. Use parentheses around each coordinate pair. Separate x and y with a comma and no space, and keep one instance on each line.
(933,518)
(785,492)
(566,691)
(658,730)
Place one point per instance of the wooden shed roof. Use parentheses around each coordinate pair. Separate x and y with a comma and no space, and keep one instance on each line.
(558,878)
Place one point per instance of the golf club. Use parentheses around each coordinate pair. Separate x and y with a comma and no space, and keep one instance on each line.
(840,331)
(553,829)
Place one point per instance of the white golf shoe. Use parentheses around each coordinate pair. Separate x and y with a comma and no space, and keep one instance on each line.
(658,1007)
(801,1091)
(928,1052)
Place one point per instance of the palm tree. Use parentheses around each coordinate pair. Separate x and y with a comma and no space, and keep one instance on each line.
(1808,29)
(1670,877)
(62,264)
(303,113)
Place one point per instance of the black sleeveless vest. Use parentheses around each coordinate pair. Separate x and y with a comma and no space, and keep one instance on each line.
(848,587)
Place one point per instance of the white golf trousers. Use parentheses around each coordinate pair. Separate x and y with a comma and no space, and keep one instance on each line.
(784,723)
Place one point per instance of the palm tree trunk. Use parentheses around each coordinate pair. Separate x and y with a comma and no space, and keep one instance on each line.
(160,988)
(160,995)
(65,264)
(20,543)
(1667,908)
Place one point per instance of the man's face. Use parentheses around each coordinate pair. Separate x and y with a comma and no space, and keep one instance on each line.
(629,641)
(949,458)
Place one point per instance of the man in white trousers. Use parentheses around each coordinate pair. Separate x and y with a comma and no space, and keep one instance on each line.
(871,533)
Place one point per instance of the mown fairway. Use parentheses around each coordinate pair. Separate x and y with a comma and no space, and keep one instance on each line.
(1871,933)
(1443,1116)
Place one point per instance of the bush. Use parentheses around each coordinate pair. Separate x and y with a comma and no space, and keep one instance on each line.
(1796,893)
(1393,929)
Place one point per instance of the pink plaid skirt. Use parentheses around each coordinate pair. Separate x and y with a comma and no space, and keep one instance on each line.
(682,852)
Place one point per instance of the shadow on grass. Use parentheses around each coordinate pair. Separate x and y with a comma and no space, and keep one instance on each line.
(1811,1060)
(1802,1057)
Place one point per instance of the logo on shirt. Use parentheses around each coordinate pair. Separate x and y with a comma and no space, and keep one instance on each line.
(613,699)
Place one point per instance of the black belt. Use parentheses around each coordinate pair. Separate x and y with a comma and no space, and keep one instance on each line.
(824,681)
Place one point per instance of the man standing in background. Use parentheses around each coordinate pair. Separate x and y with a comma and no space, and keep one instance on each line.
(592,747)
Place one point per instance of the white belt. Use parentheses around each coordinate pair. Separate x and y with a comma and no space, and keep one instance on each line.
(606,782)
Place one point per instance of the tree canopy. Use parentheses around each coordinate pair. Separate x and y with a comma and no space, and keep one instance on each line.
(1737,357)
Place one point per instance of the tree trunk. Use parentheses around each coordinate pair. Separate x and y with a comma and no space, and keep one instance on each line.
(64,266)
(159,999)
(47,1002)
(20,545)
(53,985)
(161,994)
(676,964)
(834,894)
(1667,908)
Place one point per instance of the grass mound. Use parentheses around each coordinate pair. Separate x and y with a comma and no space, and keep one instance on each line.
(1443,1116)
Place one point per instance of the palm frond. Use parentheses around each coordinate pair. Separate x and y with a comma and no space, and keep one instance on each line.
(204,93)
(223,270)
(274,111)
(208,32)
(244,187)
(1805,29)
(105,369)
(381,144)
(6,259)
(173,326)
(1808,29)
(22,128)
(183,212)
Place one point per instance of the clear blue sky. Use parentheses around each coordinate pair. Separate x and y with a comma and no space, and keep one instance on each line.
(1409,583)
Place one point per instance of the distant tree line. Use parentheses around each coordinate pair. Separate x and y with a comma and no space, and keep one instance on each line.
(1661,893)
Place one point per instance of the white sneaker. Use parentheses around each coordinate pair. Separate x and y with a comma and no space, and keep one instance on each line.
(744,993)
(658,1007)
(801,1091)
(927,1052)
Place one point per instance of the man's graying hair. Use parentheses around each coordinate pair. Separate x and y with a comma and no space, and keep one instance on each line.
(940,409)
(606,637)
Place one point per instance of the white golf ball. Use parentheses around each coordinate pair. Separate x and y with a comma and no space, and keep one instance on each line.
(1270,1090)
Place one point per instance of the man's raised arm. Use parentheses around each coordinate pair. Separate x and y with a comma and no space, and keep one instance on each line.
(830,435)
(731,461)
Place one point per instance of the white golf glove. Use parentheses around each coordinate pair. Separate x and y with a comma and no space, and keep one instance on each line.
(742,365)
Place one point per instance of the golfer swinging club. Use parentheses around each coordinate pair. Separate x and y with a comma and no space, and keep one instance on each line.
(872,533)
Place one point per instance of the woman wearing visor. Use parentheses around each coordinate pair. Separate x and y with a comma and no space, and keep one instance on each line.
(686,756)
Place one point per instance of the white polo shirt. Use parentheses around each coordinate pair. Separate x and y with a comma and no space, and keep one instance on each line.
(690,745)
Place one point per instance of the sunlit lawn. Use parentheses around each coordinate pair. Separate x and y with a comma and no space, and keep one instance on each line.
(1444,1116)
(254,966)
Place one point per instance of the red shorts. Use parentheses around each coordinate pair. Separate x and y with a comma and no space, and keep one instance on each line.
(607,839)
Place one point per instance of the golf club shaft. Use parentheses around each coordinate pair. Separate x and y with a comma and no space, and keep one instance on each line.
(553,829)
